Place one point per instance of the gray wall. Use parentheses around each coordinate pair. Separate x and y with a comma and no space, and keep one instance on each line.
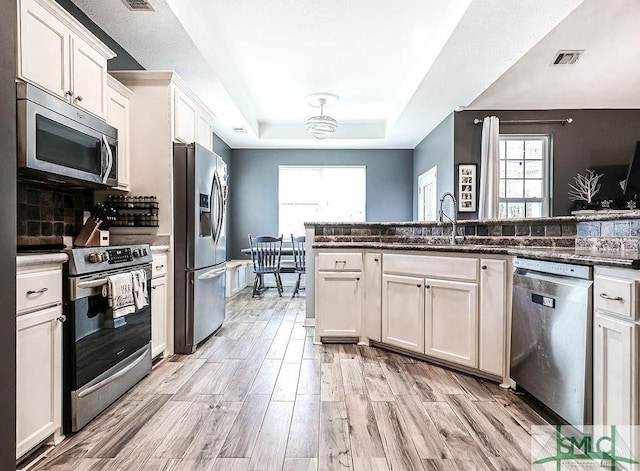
(8,234)
(254,186)
(595,138)
(223,150)
(435,149)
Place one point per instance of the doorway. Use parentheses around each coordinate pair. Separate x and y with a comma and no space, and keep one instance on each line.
(428,194)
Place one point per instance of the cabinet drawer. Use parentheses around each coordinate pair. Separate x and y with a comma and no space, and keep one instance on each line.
(38,289)
(616,296)
(454,268)
(159,265)
(339,262)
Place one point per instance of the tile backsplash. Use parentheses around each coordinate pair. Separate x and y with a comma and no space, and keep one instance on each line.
(46,213)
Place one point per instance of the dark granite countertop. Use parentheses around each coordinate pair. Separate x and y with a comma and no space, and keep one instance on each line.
(582,256)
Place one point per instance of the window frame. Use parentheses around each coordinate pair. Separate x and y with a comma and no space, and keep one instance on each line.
(547,162)
(320,166)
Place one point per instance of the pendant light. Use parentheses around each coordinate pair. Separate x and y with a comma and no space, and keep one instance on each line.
(321,127)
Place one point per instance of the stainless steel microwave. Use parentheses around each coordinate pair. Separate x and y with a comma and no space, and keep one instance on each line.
(58,142)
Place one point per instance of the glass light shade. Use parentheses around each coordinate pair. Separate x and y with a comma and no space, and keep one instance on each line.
(321,126)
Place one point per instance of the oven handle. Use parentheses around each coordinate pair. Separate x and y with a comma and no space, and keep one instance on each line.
(93,283)
(110,379)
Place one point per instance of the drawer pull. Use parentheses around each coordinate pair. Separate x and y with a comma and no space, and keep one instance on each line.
(419,286)
(484,267)
(37,291)
(62,318)
(358,279)
(78,98)
(427,286)
(375,260)
(610,298)
(159,267)
(341,261)
(153,287)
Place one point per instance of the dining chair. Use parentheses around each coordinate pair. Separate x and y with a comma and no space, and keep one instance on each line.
(265,255)
(297,243)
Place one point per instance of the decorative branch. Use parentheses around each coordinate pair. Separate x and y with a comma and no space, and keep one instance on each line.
(586,186)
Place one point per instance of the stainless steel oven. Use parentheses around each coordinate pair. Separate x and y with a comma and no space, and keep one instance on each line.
(58,142)
(104,356)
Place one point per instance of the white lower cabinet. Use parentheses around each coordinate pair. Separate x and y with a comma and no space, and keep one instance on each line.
(451,321)
(339,300)
(616,354)
(158,315)
(372,296)
(492,319)
(158,305)
(403,312)
(38,377)
(39,321)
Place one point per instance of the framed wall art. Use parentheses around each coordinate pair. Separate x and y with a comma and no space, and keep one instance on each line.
(467,185)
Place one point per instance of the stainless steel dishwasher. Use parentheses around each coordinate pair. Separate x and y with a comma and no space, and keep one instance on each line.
(551,336)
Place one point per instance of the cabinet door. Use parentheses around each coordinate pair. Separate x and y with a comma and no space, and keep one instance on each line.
(373,296)
(493,302)
(38,377)
(158,315)
(403,312)
(43,55)
(118,117)
(451,329)
(185,118)
(89,78)
(205,131)
(615,394)
(339,304)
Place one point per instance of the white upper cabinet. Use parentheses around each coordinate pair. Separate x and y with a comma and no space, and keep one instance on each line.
(56,53)
(118,104)
(192,122)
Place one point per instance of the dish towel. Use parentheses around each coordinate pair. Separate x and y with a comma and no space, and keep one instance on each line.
(120,294)
(140,295)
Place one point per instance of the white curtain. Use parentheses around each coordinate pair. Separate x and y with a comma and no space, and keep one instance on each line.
(489,169)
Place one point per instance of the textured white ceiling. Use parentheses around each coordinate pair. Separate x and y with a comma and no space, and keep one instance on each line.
(399,67)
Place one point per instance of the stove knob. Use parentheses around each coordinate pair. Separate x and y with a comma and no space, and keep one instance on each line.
(105,256)
(136,253)
(144,252)
(93,258)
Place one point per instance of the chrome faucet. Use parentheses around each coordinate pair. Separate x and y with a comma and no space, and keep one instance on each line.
(453,221)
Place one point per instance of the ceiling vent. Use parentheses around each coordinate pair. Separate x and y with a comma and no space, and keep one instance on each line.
(239,130)
(138,5)
(567,57)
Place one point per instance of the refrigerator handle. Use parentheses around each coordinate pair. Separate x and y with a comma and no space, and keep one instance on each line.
(213,273)
(220,213)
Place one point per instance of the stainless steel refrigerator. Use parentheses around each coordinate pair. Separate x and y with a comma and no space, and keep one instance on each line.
(200,189)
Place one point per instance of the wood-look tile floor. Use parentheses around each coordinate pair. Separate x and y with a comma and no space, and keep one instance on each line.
(259,395)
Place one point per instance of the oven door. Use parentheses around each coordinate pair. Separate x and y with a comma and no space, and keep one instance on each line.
(74,147)
(95,341)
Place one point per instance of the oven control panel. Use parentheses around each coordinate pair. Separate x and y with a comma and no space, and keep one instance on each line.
(95,259)
(119,255)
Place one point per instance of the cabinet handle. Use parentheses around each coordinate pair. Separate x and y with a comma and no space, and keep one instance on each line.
(37,291)
(427,286)
(358,279)
(418,286)
(68,92)
(375,259)
(153,287)
(610,298)
(484,267)
(78,98)
(62,318)
(159,267)
(341,261)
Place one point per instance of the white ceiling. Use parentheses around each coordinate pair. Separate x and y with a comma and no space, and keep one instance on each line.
(399,67)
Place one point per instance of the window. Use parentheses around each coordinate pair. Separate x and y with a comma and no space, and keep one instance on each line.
(524,176)
(314,193)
